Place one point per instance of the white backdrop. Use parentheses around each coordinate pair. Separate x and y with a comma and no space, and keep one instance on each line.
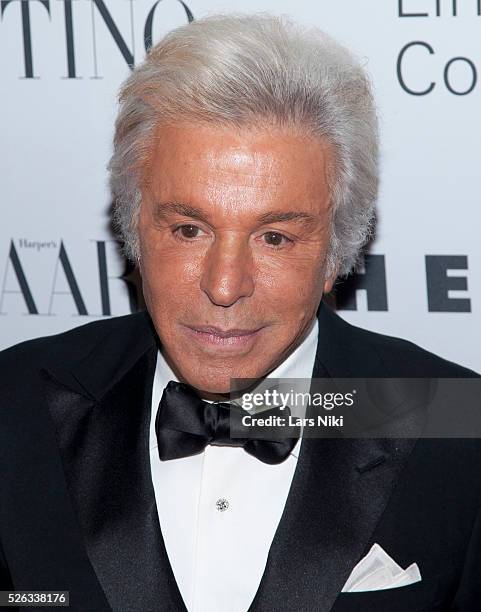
(61,64)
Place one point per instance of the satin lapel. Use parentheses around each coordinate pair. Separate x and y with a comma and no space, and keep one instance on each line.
(103,439)
(333,507)
(339,491)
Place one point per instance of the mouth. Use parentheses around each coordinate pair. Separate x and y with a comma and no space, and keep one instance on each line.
(234,338)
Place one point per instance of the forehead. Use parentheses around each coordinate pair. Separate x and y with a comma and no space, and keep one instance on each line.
(205,164)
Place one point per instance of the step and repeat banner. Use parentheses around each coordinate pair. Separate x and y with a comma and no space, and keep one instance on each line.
(61,64)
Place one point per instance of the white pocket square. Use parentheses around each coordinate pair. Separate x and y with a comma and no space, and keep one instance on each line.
(377,571)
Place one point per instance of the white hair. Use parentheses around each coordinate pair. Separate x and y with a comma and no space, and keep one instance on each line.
(244,70)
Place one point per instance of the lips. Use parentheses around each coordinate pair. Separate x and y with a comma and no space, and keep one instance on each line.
(232,341)
(223,333)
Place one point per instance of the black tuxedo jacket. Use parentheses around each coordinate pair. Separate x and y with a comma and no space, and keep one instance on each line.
(77,505)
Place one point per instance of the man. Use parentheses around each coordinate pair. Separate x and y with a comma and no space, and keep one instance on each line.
(244,174)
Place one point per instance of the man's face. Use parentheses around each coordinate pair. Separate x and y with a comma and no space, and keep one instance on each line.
(234,227)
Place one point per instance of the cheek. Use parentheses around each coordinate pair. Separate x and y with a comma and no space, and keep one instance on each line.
(170,285)
(291,282)
(165,265)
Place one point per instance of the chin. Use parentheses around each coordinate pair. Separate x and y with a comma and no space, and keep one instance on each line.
(215,381)
(211,370)
(212,383)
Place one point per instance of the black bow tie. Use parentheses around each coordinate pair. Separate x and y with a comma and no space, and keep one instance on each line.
(185,424)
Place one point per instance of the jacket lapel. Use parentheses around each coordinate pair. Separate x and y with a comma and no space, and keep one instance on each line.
(101,413)
(338,494)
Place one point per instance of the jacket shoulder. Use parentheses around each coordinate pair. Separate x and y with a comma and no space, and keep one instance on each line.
(414,360)
(67,346)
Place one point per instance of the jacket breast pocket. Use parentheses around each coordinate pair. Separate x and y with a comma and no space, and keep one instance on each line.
(418,597)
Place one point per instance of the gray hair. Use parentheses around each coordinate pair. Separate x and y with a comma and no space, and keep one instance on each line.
(244,70)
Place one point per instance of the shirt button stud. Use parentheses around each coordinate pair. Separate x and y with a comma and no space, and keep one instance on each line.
(222,504)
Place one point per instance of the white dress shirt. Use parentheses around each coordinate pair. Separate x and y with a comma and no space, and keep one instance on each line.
(219,510)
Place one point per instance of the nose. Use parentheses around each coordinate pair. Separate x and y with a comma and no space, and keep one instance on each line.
(227,274)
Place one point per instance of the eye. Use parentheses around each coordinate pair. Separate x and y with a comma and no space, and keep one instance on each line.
(276,239)
(188,231)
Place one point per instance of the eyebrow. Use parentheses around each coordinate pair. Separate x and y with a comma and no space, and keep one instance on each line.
(162,209)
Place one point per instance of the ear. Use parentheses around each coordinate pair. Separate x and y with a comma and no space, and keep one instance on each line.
(329,282)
